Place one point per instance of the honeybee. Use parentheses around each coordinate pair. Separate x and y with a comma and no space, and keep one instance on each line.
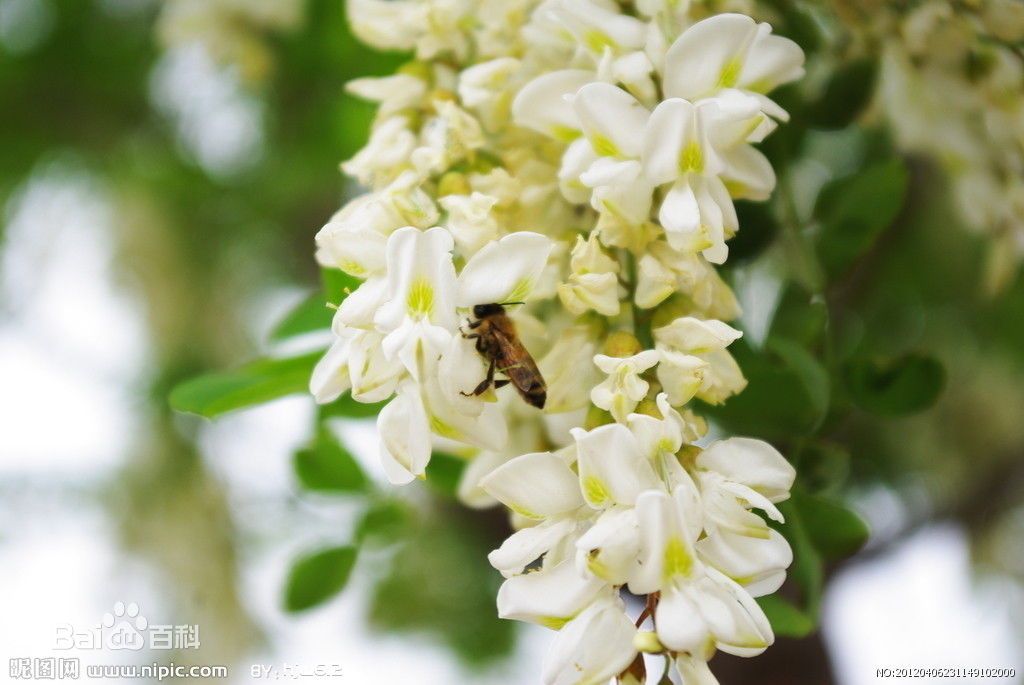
(497,342)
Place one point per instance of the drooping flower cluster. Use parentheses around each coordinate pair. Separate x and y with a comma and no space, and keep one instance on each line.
(952,87)
(581,157)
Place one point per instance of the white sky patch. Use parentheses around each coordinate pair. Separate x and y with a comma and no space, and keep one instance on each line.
(70,341)
(918,606)
(216,122)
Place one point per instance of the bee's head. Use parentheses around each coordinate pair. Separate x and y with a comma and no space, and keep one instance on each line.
(482,311)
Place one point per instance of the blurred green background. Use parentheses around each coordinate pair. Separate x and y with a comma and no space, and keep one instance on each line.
(164,167)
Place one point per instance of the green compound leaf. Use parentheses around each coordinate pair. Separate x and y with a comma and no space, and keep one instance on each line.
(897,387)
(326,466)
(312,314)
(383,522)
(835,531)
(317,577)
(854,210)
(787,392)
(807,571)
(217,393)
(846,95)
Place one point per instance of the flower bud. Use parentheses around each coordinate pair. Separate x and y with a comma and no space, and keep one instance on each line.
(453,183)
(622,344)
(647,641)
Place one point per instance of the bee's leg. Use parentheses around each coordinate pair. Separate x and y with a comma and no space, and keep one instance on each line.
(501,383)
(485,383)
(473,325)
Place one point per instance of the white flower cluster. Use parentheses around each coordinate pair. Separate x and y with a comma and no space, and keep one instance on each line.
(581,156)
(953,88)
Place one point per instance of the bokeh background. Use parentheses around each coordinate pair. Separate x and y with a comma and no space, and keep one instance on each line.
(163,169)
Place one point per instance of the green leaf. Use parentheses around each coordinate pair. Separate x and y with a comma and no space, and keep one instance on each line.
(758,229)
(807,571)
(800,316)
(823,466)
(786,619)
(338,284)
(214,394)
(317,577)
(854,210)
(835,531)
(787,393)
(312,314)
(901,386)
(441,585)
(346,407)
(846,95)
(444,473)
(326,466)
(383,522)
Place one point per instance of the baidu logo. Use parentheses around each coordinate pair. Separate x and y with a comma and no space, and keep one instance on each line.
(126,628)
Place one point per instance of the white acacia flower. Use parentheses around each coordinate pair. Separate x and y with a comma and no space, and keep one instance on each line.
(623,389)
(694,361)
(699,608)
(593,282)
(731,51)
(393,93)
(697,148)
(421,410)
(385,155)
(484,88)
(664,271)
(612,470)
(471,220)
(593,647)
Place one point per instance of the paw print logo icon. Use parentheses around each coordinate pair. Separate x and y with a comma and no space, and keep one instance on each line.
(125,626)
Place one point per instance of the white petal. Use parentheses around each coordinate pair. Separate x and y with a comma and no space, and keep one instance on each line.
(681,627)
(748,173)
(670,130)
(527,545)
(470,493)
(535,485)
(681,376)
(542,106)
(612,119)
(735,619)
(772,61)
(679,213)
(421,279)
(483,426)
(459,371)
(358,309)
(549,597)
(330,376)
(753,463)
(599,27)
(374,376)
(611,468)
(694,670)
(696,336)
(758,564)
(666,548)
(593,648)
(609,548)
(504,271)
(405,437)
(707,56)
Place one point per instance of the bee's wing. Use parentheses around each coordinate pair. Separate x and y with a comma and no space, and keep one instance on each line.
(515,361)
